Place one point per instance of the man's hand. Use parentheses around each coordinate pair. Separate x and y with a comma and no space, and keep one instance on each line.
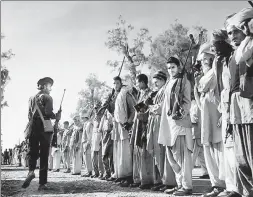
(127,126)
(58,115)
(219,122)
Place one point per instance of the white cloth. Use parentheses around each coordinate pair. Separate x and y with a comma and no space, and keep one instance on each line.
(96,137)
(50,159)
(57,160)
(77,161)
(66,159)
(87,160)
(120,113)
(245,51)
(214,162)
(122,158)
(179,157)
(87,135)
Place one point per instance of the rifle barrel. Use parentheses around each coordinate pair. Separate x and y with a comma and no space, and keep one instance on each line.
(250,2)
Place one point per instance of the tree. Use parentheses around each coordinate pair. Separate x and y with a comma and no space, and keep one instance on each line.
(95,91)
(119,41)
(174,42)
(4,73)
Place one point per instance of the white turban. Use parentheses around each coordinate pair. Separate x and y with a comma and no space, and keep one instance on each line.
(240,17)
(205,48)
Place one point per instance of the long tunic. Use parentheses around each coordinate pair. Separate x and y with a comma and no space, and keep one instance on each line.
(210,115)
(170,129)
(124,112)
(87,136)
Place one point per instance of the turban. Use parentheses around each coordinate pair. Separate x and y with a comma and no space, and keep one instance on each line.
(205,48)
(160,75)
(45,80)
(241,16)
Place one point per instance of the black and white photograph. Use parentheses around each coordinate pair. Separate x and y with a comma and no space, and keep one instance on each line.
(126,98)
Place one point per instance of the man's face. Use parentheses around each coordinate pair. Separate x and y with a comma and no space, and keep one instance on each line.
(76,120)
(173,69)
(117,85)
(48,87)
(235,35)
(84,119)
(66,126)
(140,85)
(206,61)
(158,83)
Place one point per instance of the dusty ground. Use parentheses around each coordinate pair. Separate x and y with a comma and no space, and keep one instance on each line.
(62,184)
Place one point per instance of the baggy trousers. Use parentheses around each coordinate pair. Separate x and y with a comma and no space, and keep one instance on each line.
(243,137)
(38,146)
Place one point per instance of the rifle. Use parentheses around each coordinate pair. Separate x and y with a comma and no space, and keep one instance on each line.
(56,125)
(250,2)
(106,106)
(176,114)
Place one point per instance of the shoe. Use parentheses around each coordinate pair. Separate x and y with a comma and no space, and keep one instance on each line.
(87,174)
(134,185)
(78,173)
(117,180)
(111,179)
(157,187)
(205,176)
(28,179)
(43,187)
(124,184)
(162,189)
(146,186)
(224,193)
(105,177)
(234,194)
(67,171)
(183,192)
(95,176)
(215,192)
(171,191)
(58,170)
(100,176)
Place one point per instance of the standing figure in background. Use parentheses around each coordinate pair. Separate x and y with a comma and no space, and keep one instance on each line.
(57,152)
(106,126)
(86,145)
(65,146)
(96,148)
(75,146)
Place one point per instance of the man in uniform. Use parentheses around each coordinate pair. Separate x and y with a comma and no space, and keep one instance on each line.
(39,140)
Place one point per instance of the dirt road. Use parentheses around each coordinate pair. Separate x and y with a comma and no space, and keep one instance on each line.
(62,184)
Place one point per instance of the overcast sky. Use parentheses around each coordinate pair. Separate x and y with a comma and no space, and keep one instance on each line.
(65,41)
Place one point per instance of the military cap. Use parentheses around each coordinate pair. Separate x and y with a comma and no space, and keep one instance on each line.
(45,80)
(160,75)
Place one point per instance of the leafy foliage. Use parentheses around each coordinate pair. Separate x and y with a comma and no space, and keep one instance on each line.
(119,41)
(174,42)
(94,92)
(5,78)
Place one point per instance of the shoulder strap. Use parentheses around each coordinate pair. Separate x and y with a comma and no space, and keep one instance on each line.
(37,107)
